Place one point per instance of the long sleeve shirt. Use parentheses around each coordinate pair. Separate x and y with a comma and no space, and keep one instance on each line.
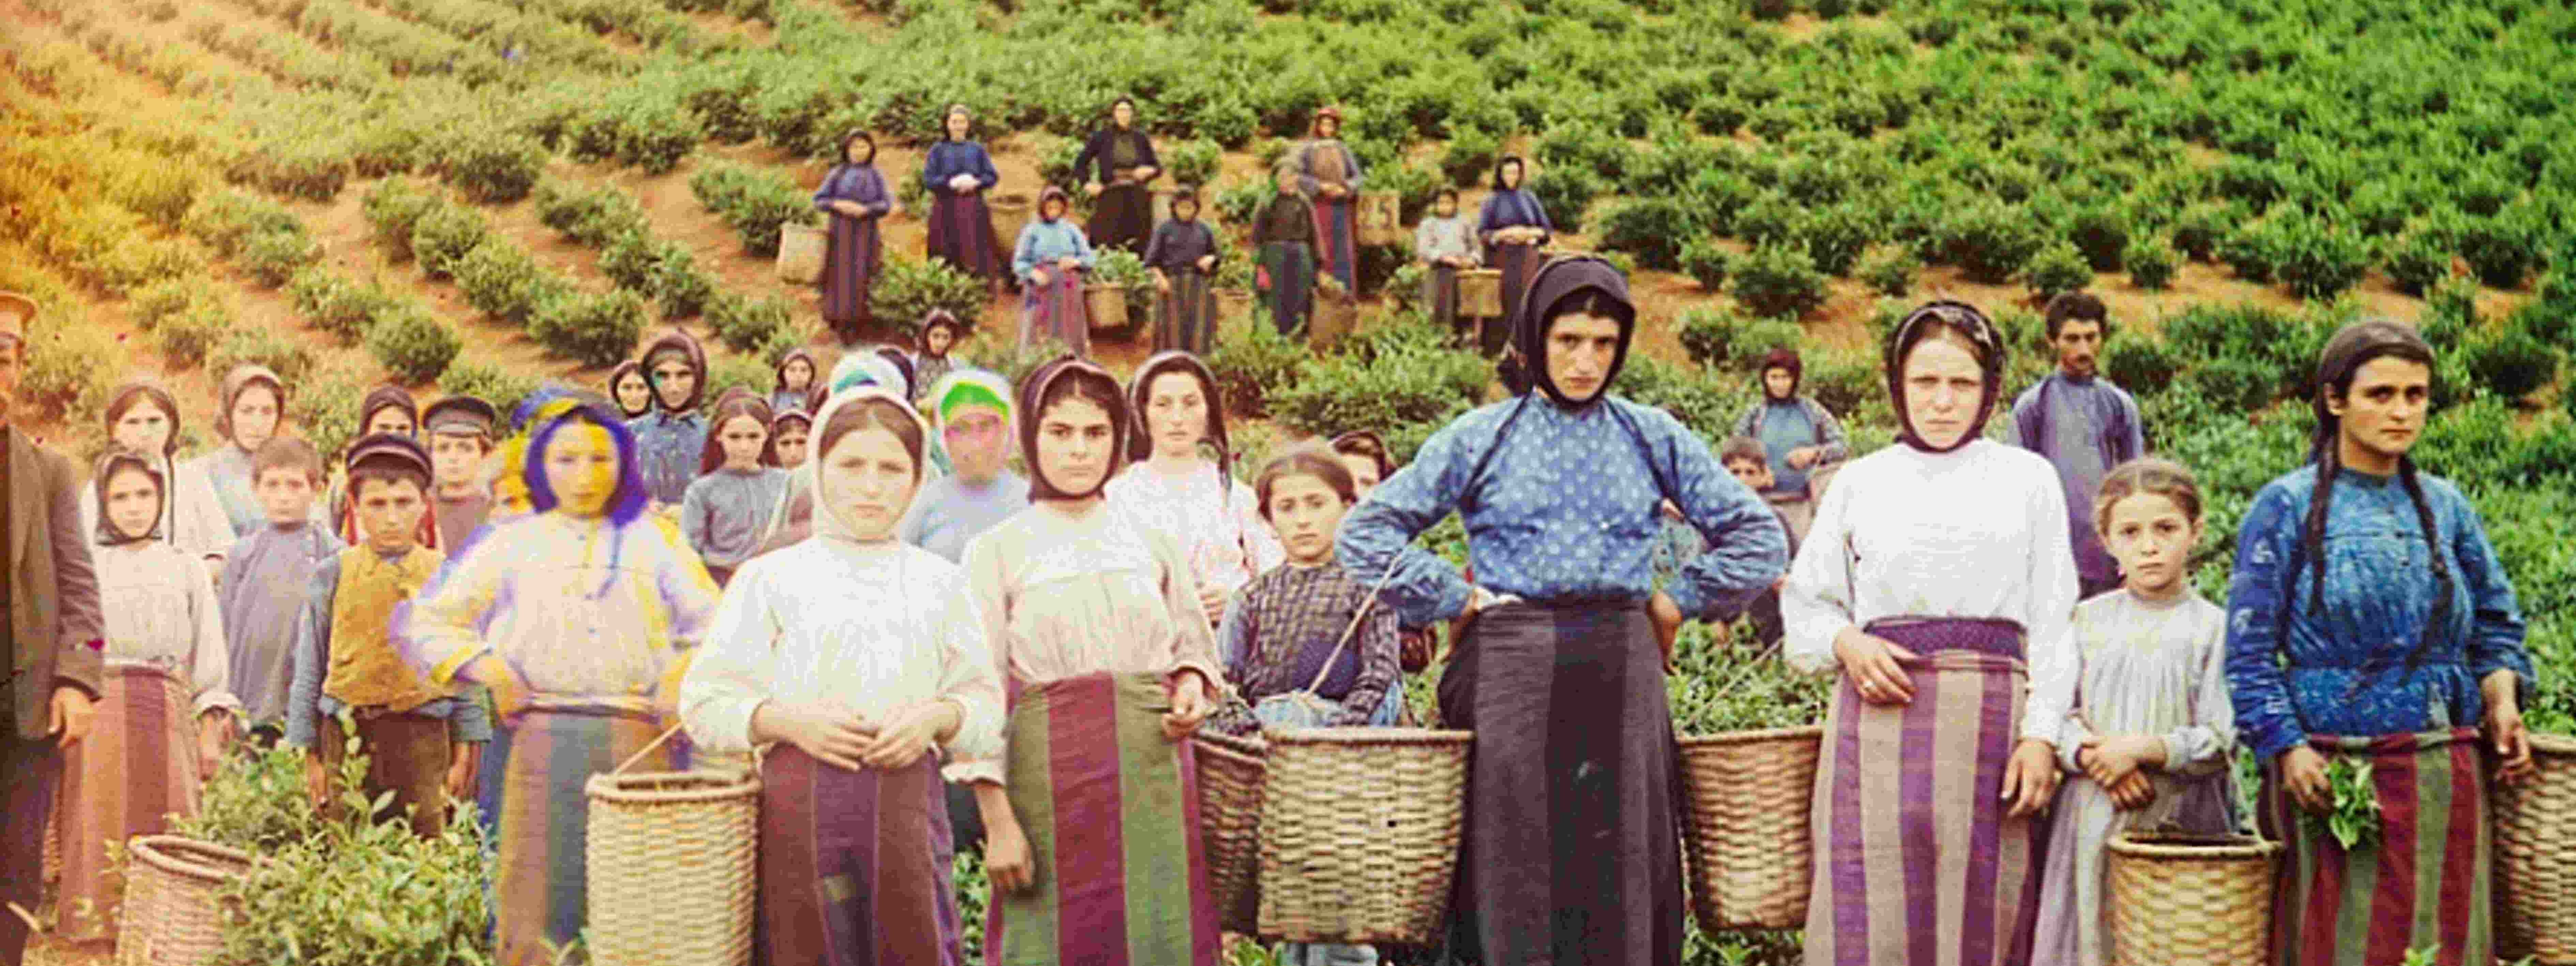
(591,615)
(1278,632)
(1110,151)
(307,705)
(1321,162)
(1451,237)
(1216,523)
(948,159)
(2341,671)
(1043,241)
(726,512)
(860,183)
(1516,208)
(2153,668)
(268,580)
(1784,426)
(949,511)
(2085,427)
(1978,532)
(845,626)
(1569,508)
(1063,596)
(160,609)
(1178,245)
(1284,218)
(669,445)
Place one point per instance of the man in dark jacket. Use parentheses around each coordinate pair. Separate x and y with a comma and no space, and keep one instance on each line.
(50,646)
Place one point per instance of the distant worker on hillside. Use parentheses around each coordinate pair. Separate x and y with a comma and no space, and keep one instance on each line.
(1328,174)
(1123,163)
(855,197)
(1512,225)
(959,172)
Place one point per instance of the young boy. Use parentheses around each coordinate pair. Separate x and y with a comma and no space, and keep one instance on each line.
(267,577)
(670,441)
(417,734)
(460,438)
(1751,464)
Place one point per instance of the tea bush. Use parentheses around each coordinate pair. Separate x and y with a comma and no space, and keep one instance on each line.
(1402,387)
(2316,259)
(1706,263)
(412,344)
(1706,334)
(747,324)
(500,279)
(2057,268)
(262,345)
(1834,237)
(2501,248)
(1252,362)
(162,300)
(444,236)
(1892,272)
(271,258)
(2151,262)
(1778,280)
(907,290)
(494,168)
(755,201)
(228,218)
(593,330)
(2512,363)
(325,408)
(2102,234)
(1566,193)
(486,381)
(1469,158)
(1652,229)
(1194,162)
(336,304)
(2141,364)
(592,217)
(1990,241)
(187,336)
(394,207)
(2417,261)
(69,368)
(2197,231)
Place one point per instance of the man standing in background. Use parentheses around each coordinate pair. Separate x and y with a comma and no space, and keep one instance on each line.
(2083,424)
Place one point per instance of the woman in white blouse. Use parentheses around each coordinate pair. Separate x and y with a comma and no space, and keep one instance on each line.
(857,654)
(1174,489)
(1939,583)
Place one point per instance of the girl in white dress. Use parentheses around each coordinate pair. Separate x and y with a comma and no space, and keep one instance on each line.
(1175,489)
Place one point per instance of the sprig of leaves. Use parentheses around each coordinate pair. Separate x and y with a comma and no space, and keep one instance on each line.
(2352,805)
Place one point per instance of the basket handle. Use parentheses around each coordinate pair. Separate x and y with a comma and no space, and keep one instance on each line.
(646,750)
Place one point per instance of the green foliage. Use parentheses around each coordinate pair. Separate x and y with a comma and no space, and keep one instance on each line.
(592,217)
(1726,682)
(2418,261)
(1707,334)
(1706,263)
(271,258)
(1251,363)
(1652,229)
(394,207)
(502,280)
(1121,268)
(2144,365)
(2151,262)
(412,344)
(1892,272)
(1468,160)
(2057,268)
(906,291)
(1194,162)
(1835,236)
(495,168)
(1236,204)
(1566,193)
(2512,363)
(1778,280)
(153,303)
(1990,241)
(1398,386)
(487,381)
(265,346)
(187,336)
(2318,260)
(594,330)
(755,201)
(229,218)
(2236,382)
(2197,231)
(335,304)
(444,236)
(2352,811)
(747,324)
(2102,234)
(2501,248)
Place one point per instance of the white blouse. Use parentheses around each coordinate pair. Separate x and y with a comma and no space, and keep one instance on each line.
(161,610)
(830,623)
(1220,530)
(1979,532)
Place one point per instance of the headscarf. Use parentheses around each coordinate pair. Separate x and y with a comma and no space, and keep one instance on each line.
(1111,116)
(863,369)
(1782,357)
(970,390)
(1053,193)
(711,456)
(902,364)
(829,516)
(126,396)
(1035,391)
(116,459)
(1507,160)
(550,401)
(635,366)
(1965,319)
(240,379)
(1558,281)
(1385,461)
(956,108)
(777,423)
(1186,195)
(681,342)
(388,397)
(1316,128)
(939,317)
(858,135)
(625,503)
(813,370)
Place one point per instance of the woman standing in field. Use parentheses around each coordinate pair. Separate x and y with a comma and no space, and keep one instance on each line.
(959,172)
(1283,236)
(1183,256)
(2368,618)
(1445,243)
(1051,258)
(854,196)
(1328,175)
(1511,225)
(1937,581)
(1175,488)
(1799,437)
(1122,207)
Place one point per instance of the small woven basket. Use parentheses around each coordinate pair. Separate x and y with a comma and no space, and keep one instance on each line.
(1360,830)
(1480,292)
(2190,899)
(173,915)
(800,253)
(1746,797)
(1105,306)
(1230,776)
(2536,856)
(673,867)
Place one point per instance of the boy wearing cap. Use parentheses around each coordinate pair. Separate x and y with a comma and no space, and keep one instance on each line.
(417,735)
(266,577)
(460,439)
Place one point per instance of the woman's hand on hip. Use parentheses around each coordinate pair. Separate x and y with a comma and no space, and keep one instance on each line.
(1872,663)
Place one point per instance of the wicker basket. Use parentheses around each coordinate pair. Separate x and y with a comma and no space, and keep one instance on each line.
(1009,209)
(173,915)
(1336,315)
(673,867)
(1480,292)
(1360,830)
(800,253)
(2190,899)
(1746,797)
(1230,776)
(1105,306)
(2536,857)
(1378,220)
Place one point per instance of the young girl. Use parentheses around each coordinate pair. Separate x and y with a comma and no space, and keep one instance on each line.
(628,388)
(573,616)
(166,707)
(859,656)
(1445,241)
(796,375)
(1101,638)
(1279,632)
(727,510)
(1176,490)
(789,429)
(940,334)
(971,413)
(670,441)
(144,418)
(1050,259)
(250,409)
(2148,743)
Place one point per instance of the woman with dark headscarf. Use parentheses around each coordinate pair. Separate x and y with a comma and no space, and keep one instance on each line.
(1050,260)
(797,375)
(1937,581)
(961,225)
(1328,175)
(1512,225)
(1183,256)
(855,197)
(2372,620)
(1571,851)
(1799,437)
(1122,157)
(385,409)
(630,390)
(1283,237)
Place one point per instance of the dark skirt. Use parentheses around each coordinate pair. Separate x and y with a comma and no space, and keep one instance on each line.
(961,231)
(1056,310)
(1517,263)
(1121,218)
(2428,882)
(1337,239)
(1291,266)
(854,865)
(1185,317)
(1440,295)
(1571,852)
(1914,861)
(849,271)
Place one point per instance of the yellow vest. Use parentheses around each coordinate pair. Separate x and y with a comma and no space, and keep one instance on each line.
(366,671)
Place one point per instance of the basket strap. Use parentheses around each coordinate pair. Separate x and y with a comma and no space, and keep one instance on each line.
(646,750)
(1354,628)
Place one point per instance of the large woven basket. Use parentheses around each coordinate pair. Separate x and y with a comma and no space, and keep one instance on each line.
(1480,292)
(2190,899)
(2536,856)
(1230,776)
(1336,315)
(173,915)
(1359,832)
(1378,220)
(1105,306)
(800,253)
(673,867)
(1746,797)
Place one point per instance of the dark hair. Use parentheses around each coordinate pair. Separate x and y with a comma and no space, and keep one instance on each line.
(1444,192)
(2077,307)
(287,453)
(1510,159)
(1969,325)
(2338,363)
(1361,442)
(1112,111)
(132,394)
(1743,448)
(1069,377)
(711,454)
(856,135)
(630,367)
(2149,475)
(778,427)
(873,412)
(387,472)
(1509,371)
(956,108)
(902,364)
(1783,357)
(119,459)
(1314,461)
(1588,301)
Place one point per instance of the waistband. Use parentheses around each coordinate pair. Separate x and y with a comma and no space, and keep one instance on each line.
(1925,636)
(121,668)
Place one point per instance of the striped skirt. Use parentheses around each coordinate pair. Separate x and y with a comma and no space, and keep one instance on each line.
(1055,310)
(849,272)
(1185,317)
(541,878)
(1517,263)
(1916,863)
(2426,883)
(1572,851)
(1440,295)
(961,231)
(1110,807)
(1291,267)
(854,866)
(134,772)
(1337,239)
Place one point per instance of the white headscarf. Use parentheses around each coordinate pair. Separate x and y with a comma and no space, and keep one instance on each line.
(829,517)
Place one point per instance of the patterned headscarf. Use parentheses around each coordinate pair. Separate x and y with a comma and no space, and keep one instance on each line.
(1959,317)
(864,369)
(970,390)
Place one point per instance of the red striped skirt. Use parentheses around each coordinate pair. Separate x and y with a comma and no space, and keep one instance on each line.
(2427,881)
(854,865)
(135,769)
